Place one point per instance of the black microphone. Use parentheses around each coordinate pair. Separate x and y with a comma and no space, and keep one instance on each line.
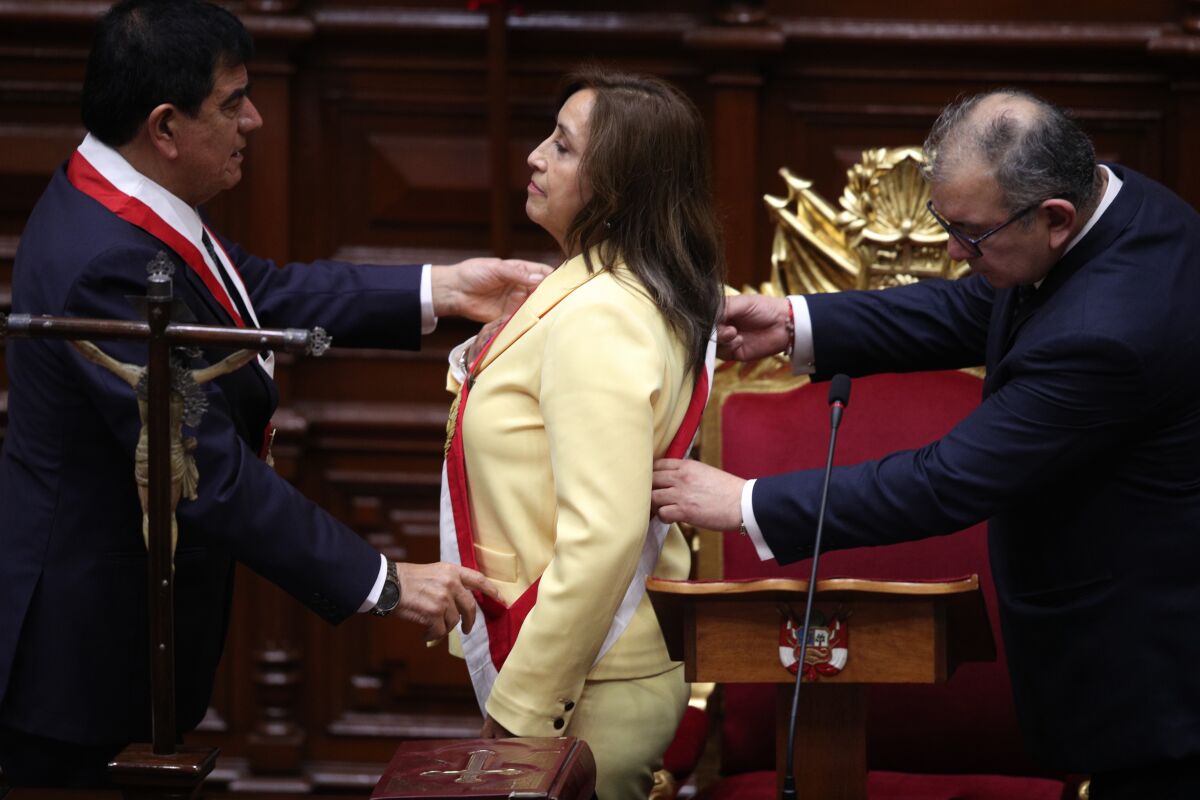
(839,398)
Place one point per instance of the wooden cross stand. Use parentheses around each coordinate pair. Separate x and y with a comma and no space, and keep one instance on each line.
(161,769)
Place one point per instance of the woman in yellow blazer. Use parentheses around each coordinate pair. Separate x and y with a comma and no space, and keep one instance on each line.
(567,408)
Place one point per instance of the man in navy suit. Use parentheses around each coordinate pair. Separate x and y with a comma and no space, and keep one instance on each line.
(1084,453)
(166,106)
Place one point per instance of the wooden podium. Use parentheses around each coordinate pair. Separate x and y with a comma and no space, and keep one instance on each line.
(882,632)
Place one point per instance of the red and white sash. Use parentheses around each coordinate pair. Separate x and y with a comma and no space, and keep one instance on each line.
(487,645)
(105,176)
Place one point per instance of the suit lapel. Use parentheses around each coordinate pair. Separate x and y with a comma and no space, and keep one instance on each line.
(1006,324)
(1114,220)
(564,280)
(1023,301)
(1002,324)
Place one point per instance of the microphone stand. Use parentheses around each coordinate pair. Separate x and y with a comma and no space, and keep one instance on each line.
(839,397)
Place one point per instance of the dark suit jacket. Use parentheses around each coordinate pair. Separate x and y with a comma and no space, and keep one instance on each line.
(73,652)
(1084,454)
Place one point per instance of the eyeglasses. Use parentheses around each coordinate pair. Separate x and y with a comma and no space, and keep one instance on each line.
(971,243)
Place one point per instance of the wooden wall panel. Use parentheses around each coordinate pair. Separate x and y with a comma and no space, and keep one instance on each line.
(376,148)
(994,10)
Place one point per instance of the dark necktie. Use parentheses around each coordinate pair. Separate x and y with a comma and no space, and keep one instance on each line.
(269,432)
(226,281)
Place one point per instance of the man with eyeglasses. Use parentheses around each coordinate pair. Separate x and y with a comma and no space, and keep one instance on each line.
(1084,454)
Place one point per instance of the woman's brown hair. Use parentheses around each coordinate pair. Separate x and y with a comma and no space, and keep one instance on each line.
(651,207)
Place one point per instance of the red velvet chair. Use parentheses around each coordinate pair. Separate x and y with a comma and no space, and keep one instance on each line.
(957,740)
(953,740)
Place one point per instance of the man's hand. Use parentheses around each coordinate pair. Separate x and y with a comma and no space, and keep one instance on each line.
(481,288)
(438,595)
(494,730)
(489,331)
(752,326)
(688,491)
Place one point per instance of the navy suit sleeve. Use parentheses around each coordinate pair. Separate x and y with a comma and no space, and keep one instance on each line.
(360,305)
(243,507)
(934,324)
(1070,398)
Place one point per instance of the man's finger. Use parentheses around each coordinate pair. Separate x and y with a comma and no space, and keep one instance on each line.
(670,514)
(735,306)
(468,617)
(731,344)
(435,631)
(534,271)
(663,478)
(476,580)
(660,499)
(464,601)
(451,617)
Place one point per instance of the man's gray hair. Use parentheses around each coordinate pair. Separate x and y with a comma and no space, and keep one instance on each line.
(1033,156)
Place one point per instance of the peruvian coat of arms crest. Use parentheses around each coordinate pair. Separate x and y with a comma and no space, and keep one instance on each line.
(828,645)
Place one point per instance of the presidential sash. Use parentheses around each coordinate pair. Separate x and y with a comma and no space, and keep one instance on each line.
(487,646)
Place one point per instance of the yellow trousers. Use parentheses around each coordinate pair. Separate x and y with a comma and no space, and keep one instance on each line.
(628,725)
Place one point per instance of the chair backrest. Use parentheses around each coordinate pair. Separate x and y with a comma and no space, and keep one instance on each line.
(971,717)
(763,421)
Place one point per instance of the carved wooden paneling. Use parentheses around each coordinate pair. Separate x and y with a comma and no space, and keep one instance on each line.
(41,72)
(28,154)
(376,148)
(994,10)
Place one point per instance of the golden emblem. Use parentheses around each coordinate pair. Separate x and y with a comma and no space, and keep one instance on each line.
(882,236)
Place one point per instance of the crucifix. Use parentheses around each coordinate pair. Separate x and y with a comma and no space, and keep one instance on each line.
(475,771)
(164,473)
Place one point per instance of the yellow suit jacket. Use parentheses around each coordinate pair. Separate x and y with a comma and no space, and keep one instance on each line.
(579,393)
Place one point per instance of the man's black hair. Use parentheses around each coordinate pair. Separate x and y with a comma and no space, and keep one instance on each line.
(149,52)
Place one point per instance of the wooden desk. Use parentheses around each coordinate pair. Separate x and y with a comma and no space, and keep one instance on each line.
(898,632)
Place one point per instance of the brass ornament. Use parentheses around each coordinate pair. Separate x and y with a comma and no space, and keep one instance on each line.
(882,236)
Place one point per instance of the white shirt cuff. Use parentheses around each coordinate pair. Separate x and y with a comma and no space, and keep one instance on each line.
(428,318)
(803,362)
(752,529)
(373,595)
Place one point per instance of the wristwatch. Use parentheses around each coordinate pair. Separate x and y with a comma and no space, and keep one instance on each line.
(389,595)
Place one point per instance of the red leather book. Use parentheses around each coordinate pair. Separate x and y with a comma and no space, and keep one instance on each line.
(490,769)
